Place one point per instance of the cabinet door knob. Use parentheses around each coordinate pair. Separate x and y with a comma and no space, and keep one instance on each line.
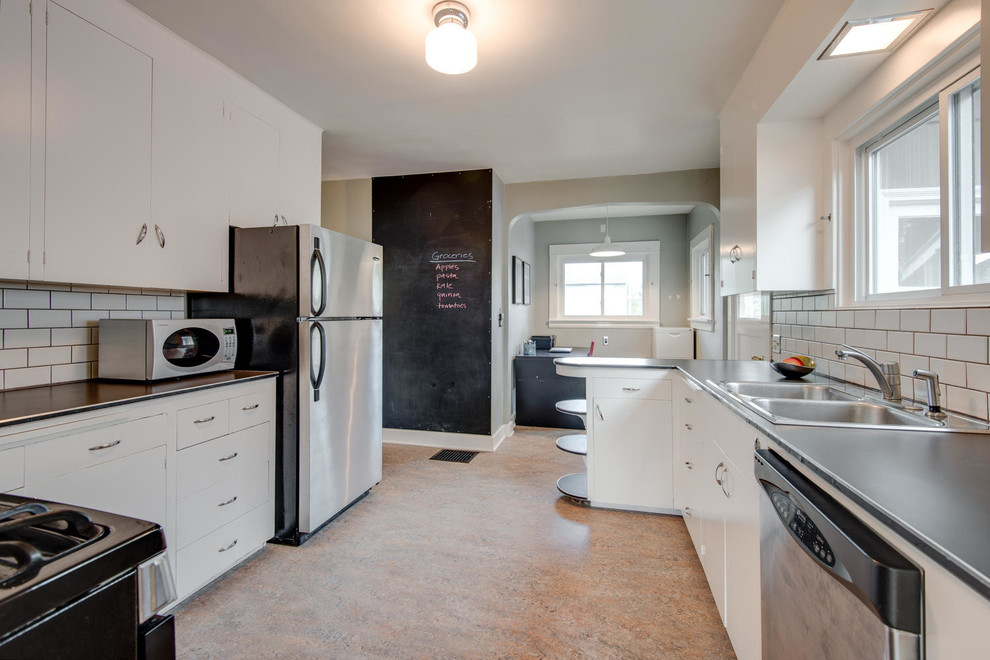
(106,446)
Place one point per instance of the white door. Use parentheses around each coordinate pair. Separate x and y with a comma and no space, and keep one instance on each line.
(15,136)
(742,561)
(98,154)
(251,166)
(711,501)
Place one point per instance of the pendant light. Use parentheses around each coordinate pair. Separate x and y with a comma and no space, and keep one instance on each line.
(450,48)
(606,249)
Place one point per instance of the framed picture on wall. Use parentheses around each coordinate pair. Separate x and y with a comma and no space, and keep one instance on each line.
(517,281)
(527,292)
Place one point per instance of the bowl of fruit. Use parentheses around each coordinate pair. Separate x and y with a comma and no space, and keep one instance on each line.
(796,366)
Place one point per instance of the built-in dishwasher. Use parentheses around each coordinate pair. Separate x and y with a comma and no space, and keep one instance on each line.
(831,588)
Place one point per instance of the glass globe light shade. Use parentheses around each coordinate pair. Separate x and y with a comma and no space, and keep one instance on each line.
(451,49)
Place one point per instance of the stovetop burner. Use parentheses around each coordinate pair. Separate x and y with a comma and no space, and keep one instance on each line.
(32,535)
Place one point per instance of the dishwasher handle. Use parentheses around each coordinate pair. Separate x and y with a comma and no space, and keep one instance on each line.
(865,564)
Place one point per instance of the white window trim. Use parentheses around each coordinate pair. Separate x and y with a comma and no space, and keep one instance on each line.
(699,244)
(851,201)
(649,251)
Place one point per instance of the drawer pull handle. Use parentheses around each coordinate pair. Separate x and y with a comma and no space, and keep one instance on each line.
(228,547)
(599,409)
(720,470)
(106,446)
(689,512)
(227,458)
(246,408)
(687,400)
(688,427)
(630,389)
(230,501)
(689,465)
(205,420)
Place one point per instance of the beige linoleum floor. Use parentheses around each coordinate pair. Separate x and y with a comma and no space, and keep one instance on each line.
(478,560)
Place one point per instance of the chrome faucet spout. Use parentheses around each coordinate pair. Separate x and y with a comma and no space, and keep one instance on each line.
(888,374)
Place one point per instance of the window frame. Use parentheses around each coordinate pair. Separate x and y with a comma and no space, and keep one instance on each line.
(850,182)
(647,252)
(701,283)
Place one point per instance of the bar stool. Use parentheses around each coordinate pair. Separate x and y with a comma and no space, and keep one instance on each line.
(574,485)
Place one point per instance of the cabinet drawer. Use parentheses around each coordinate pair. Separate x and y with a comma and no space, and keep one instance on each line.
(81,450)
(11,469)
(202,423)
(633,388)
(199,562)
(209,509)
(250,410)
(209,463)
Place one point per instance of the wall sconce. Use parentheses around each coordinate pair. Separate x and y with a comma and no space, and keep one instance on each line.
(450,48)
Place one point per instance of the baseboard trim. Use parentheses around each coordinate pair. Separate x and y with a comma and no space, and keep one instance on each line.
(503,432)
(463,441)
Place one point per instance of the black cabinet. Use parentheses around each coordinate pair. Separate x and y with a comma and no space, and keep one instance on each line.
(539,388)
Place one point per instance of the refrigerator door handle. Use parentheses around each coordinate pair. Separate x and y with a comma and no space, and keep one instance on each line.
(317,363)
(318,277)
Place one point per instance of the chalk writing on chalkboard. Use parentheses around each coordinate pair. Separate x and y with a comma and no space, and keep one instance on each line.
(447,270)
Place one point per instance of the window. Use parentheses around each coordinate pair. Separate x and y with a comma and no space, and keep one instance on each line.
(615,291)
(919,221)
(702,284)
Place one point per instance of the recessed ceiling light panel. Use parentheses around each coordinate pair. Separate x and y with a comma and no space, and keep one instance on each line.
(873,35)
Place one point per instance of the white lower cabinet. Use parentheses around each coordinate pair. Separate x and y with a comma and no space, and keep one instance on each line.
(720,503)
(211,490)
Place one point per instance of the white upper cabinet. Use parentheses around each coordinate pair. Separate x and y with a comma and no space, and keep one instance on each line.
(15,137)
(97,152)
(251,168)
(126,153)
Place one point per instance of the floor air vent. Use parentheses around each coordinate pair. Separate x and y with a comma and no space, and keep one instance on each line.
(454,456)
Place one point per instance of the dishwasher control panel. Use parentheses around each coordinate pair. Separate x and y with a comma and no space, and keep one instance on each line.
(802,527)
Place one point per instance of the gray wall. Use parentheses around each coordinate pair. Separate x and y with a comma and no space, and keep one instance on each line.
(709,345)
(670,230)
(519,318)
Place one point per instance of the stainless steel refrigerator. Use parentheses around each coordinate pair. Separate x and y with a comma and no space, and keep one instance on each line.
(308,303)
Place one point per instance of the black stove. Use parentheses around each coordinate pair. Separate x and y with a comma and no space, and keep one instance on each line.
(61,568)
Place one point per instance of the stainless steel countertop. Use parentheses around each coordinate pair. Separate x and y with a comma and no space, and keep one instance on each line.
(929,487)
(36,403)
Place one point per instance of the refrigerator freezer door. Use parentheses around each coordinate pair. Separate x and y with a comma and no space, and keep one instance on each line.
(341,276)
(340,424)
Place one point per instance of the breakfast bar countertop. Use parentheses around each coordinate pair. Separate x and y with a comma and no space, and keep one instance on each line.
(928,486)
(32,404)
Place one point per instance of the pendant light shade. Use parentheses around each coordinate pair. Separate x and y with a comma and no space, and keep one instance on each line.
(450,48)
(606,249)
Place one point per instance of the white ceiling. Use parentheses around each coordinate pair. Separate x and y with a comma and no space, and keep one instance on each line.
(563,88)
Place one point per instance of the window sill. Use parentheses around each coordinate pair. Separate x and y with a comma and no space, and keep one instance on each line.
(702,323)
(602,324)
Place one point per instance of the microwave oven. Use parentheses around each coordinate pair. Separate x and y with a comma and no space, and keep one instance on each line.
(135,349)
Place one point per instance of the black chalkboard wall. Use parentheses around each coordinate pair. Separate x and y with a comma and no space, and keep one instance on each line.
(436,233)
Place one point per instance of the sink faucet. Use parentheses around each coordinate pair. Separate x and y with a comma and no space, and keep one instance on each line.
(934,406)
(888,374)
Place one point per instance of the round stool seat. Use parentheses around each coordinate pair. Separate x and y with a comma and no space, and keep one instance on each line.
(576,443)
(575,486)
(577,407)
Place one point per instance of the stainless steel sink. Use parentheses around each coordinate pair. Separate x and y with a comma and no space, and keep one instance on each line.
(821,404)
(788,390)
(858,413)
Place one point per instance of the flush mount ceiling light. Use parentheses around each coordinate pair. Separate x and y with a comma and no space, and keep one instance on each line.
(873,35)
(450,48)
(606,249)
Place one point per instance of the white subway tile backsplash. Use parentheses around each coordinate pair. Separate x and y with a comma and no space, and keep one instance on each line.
(978,377)
(26,299)
(949,321)
(845,319)
(828,318)
(968,402)
(49,333)
(865,318)
(952,372)
(855,337)
(966,347)
(27,338)
(888,319)
(71,300)
(902,342)
(930,344)
(13,318)
(38,357)
(916,320)
(978,321)
(49,318)
(156,315)
(911,362)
